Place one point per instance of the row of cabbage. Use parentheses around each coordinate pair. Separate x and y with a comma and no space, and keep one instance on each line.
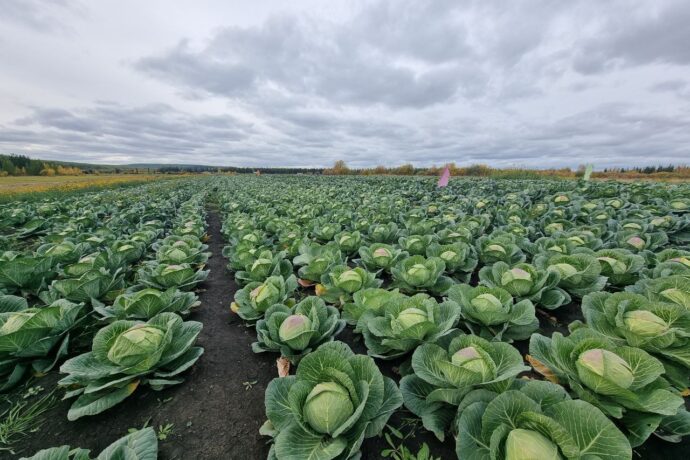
(118,287)
(448,278)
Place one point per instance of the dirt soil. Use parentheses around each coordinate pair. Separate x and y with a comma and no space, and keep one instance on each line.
(219,408)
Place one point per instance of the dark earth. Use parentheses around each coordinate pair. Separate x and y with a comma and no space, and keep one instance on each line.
(216,413)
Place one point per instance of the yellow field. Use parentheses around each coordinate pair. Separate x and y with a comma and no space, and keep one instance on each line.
(16,185)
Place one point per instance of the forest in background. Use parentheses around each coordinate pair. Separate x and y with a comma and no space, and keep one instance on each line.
(20,165)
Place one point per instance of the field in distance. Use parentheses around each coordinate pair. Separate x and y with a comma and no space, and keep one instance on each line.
(19,185)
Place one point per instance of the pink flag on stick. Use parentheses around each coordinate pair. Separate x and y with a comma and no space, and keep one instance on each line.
(443,180)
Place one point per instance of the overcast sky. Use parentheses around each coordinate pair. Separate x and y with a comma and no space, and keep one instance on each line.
(306,82)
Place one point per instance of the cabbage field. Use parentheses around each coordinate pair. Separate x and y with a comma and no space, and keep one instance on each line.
(314,317)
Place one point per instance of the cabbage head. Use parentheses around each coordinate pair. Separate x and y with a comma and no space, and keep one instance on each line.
(252,301)
(537,420)
(147,303)
(265,265)
(295,332)
(341,282)
(418,274)
(164,276)
(492,313)
(403,323)
(380,256)
(334,402)
(460,258)
(625,383)
(525,281)
(315,260)
(620,266)
(579,274)
(446,371)
(126,354)
(673,289)
(33,338)
(662,329)
(367,299)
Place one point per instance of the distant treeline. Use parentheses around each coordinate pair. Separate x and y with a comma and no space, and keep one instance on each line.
(480,170)
(18,165)
(236,170)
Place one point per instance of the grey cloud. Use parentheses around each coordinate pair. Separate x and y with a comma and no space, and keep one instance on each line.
(427,81)
(307,59)
(652,32)
(40,15)
(154,131)
(669,86)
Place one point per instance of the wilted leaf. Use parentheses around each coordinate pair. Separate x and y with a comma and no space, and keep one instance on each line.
(542,369)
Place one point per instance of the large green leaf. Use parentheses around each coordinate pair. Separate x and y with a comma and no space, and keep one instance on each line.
(334,355)
(139,445)
(10,303)
(277,403)
(593,432)
(94,403)
(470,444)
(295,443)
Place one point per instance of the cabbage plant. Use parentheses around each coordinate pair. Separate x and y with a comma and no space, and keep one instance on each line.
(265,265)
(252,301)
(93,285)
(661,329)
(25,275)
(241,255)
(186,249)
(380,256)
(295,332)
(637,241)
(579,274)
(624,382)
(454,234)
(137,445)
(417,273)
(491,313)
(460,258)
(384,233)
(33,338)
(165,276)
(349,242)
(127,251)
(500,247)
(415,245)
(620,266)
(537,421)
(670,262)
(558,245)
(64,252)
(445,372)
(525,281)
(403,323)
(147,303)
(341,282)
(325,231)
(314,260)
(334,402)
(126,354)
(367,299)
(673,289)
(289,240)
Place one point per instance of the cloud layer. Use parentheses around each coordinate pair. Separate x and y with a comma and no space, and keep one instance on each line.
(536,83)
